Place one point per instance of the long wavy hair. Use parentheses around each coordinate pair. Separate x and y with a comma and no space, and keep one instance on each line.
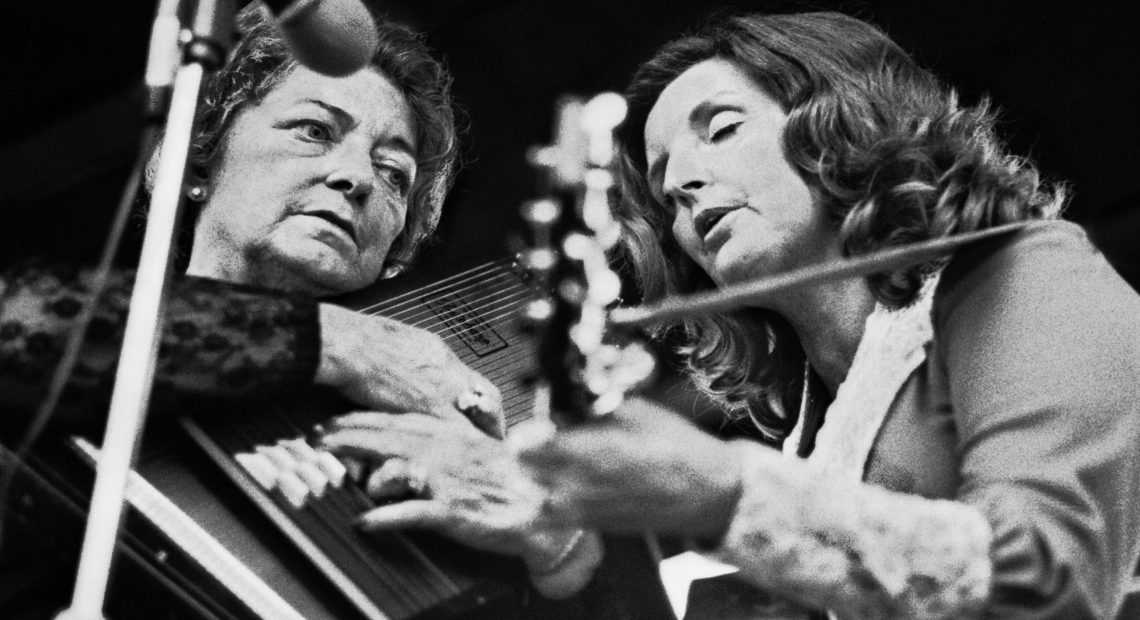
(261,60)
(888,150)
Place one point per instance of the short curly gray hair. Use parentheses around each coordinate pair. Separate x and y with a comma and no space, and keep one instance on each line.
(261,60)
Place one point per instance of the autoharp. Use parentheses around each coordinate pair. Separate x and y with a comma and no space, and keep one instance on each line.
(209,540)
(205,539)
(389,574)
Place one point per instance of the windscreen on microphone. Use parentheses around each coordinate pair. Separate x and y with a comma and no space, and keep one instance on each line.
(333,37)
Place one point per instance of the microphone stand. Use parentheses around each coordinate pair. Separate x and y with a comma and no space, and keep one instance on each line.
(205,51)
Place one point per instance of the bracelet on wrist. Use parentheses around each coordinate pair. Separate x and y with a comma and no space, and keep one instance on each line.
(572,569)
(567,551)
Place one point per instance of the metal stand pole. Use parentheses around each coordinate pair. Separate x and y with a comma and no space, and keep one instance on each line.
(143,331)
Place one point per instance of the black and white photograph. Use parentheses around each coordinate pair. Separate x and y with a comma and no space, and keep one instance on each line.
(541,310)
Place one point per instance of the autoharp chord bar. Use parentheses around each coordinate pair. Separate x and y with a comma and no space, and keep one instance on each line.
(314,501)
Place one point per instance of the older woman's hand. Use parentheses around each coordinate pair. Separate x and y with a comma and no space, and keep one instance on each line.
(643,468)
(386,365)
(465,485)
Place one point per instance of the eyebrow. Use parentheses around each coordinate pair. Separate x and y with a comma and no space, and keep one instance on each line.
(345,118)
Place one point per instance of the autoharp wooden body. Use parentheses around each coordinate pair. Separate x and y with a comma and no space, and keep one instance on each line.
(212,541)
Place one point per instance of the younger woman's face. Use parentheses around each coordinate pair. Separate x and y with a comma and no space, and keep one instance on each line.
(713,143)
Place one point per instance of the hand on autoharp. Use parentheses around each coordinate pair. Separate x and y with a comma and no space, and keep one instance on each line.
(465,485)
(389,366)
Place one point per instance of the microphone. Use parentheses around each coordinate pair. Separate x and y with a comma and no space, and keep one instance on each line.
(332,37)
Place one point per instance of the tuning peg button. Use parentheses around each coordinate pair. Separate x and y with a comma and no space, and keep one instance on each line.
(538,312)
(605,287)
(543,211)
(539,259)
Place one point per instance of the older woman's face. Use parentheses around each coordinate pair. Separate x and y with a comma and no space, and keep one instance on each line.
(714,148)
(311,186)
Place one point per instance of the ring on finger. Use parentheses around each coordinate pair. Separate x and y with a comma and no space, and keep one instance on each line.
(476,399)
(415,477)
(396,477)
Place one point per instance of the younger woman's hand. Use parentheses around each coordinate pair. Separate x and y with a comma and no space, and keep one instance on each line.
(643,468)
(446,476)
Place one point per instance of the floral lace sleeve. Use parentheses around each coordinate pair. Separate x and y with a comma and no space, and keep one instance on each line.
(219,339)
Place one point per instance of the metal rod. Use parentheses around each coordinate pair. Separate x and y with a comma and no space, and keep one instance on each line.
(135,374)
(747,293)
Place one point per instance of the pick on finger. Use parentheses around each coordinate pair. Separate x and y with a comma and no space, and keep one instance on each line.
(392,480)
(409,513)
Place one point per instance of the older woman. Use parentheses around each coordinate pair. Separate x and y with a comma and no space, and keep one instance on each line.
(959,437)
(318,185)
(308,186)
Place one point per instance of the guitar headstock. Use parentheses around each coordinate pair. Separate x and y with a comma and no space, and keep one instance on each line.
(586,368)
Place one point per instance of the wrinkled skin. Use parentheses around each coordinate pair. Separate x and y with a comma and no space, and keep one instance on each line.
(386,365)
(463,484)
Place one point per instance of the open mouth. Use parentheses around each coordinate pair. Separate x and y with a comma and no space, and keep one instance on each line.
(335,220)
(706,220)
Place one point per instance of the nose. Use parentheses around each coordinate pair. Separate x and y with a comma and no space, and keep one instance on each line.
(351,173)
(684,177)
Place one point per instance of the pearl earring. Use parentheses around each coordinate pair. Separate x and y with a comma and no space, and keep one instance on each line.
(197,193)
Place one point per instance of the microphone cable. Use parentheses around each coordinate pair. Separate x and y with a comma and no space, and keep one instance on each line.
(70,355)
(163,52)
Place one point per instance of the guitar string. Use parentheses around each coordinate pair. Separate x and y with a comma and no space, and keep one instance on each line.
(516,395)
(477,302)
(457,281)
(489,308)
(500,280)
(496,307)
(503,281)
(445,282)
(508,302)
(501,369)
(475,275)
(492,314)
(491,364)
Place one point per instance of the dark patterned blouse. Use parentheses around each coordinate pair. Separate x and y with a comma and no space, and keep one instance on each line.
(219,339)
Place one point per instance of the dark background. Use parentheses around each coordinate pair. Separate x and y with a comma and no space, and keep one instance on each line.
(1064,74)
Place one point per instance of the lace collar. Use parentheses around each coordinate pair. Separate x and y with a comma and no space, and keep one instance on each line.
(893,345)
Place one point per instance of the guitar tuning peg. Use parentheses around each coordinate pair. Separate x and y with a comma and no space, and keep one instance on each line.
(542,212)
(584,371)
(607,402)
(588,333)
(608,236)
(605,287)
(537,312)
(542,156)
(539,260)
(600,116)
(636,366)
(604,109)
